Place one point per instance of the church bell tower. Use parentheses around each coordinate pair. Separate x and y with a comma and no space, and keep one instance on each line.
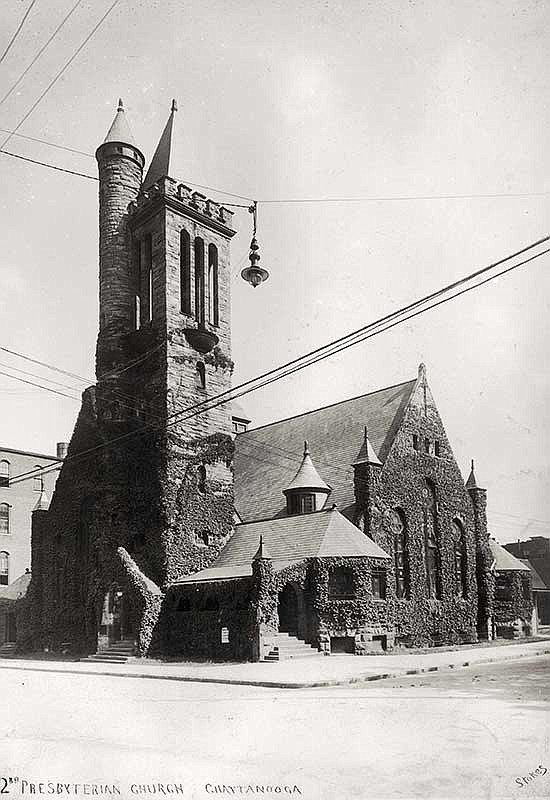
(164,352)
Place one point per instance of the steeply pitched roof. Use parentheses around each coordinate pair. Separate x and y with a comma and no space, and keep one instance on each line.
(505,561)
(307,476)
(266,459)
(289,540)
(120,130)
(16,589)
(160,163)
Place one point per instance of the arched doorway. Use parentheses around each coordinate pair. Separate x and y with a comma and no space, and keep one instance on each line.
(116,617)
(288,610)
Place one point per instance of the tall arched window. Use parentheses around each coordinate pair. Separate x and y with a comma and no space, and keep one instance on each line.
(137,285)
(4,568)
(460,565)
(201,479)
(38,479)
(4,473)
(4,518)
(213,299)
(185,273)
(431,544)
(400,552)
(201,375)
(199,280)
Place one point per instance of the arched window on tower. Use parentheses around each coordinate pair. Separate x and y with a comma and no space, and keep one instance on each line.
(4,473)
(199,280)
(201,375)
(400,553)
(4,518)
(213,298)
(431,543)
(185,273)
(4,568)
(460,563)
(137,285)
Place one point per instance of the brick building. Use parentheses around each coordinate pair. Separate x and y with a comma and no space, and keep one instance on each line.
(168,534)
(18,498)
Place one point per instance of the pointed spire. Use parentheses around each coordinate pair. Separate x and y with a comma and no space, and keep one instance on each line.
(43,502)
(120,130)
(261,553)
(471,483)
(160,163)
(367,454)
(307,476)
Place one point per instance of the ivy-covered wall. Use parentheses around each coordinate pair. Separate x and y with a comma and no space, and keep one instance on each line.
(513,603)
(421,452)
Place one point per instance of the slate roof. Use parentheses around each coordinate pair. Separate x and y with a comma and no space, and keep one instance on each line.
(266,458)
(16,589)
(505,561)
(307,476)
(288,541)
(538,583)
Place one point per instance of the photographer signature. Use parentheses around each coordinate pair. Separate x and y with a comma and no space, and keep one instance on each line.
(524,780)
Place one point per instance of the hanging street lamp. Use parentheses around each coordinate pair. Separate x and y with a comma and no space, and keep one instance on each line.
(254,274)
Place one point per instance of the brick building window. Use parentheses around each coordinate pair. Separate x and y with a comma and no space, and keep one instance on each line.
(4,473)
(4,568)
(185,273)
(38,480)
(341,585)
(213,298)
(4,518)
(199,280)
(400,553)
(378,584)
(460,564)
(431,544)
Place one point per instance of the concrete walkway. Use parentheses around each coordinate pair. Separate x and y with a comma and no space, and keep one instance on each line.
(295,674)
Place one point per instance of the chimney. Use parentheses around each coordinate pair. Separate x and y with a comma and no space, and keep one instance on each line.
(62,448)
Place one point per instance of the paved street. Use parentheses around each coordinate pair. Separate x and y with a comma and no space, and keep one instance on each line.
(473,732)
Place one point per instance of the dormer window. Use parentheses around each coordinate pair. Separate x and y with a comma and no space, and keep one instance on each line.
(301,504)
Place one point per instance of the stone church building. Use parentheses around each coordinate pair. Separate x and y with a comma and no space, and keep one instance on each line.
(348,528)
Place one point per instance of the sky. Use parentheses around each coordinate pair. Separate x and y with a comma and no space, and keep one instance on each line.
(284,101)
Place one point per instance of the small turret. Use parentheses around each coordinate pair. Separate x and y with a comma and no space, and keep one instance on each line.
(307,491)
(366,471)
(160,163)
(120,164)
(261,553)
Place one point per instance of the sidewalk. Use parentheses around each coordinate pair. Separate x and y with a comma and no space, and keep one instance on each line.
(303,673)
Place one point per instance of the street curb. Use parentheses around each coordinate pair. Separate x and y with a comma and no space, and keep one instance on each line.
(403,673)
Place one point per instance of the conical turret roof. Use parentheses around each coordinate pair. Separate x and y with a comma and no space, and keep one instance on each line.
(471,483)
(120,130)
(160,163)
(367,454)
(261,552)
(307,476)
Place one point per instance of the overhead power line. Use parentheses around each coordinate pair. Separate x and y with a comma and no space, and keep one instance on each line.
(37,56)
(60,72)
(367,331)
(281,201)
(17,32)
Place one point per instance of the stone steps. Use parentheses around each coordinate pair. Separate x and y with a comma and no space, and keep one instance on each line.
(287,646)
(115,653)
(8,650)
